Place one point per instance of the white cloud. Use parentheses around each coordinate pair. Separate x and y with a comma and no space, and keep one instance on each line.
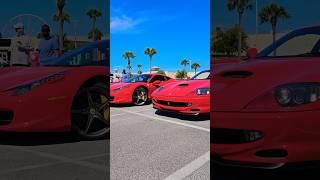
(123,23)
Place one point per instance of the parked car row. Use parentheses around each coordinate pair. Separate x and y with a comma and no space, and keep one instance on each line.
(166,94)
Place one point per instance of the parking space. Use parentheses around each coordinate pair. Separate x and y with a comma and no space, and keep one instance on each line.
(52,156)
(149,145)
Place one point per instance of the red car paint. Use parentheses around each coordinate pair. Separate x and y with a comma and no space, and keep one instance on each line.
(181,97)
(124,96)
(46,108)
(248,125)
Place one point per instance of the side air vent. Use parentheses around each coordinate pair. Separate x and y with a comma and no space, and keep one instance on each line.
(236,74)
(183,84)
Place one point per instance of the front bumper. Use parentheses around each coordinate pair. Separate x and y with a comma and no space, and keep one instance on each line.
(35,113)
(288,137)
(183,105)
(120,97)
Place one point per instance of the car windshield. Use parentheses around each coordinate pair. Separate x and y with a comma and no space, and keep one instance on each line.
(92,54)
(299,43)
(139,78)
(202,75)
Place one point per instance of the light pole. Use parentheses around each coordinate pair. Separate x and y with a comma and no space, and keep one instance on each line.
(75,26)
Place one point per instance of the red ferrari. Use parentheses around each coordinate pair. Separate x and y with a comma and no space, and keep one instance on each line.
(190,97)
(266,110)
(63,94)
(137,90)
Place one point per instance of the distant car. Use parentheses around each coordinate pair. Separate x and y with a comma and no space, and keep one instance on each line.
(190,97)
(137,90)
(65,93)
(265,111)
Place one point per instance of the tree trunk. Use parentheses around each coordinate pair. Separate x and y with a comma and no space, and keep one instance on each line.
(93,29)
(61,37)
(150,64)
(274,31)
(240,35)
(129,66)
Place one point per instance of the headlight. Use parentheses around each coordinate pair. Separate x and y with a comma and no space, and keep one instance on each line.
(28,87)
(297,94)
(119,88)
(203,91)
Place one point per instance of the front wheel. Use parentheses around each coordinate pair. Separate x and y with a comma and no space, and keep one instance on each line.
(90,112)
(140,96)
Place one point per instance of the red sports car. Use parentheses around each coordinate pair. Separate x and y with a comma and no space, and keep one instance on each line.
(137,90)
(190,97)
(65,93)
(266,110)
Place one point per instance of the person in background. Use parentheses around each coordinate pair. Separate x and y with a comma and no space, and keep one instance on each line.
(20,47)
(117,76)
(124,75)
(48,46)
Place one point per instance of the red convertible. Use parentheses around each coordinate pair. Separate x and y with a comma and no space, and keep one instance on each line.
(190,97)
(65,93)
(266,110)
(137,90)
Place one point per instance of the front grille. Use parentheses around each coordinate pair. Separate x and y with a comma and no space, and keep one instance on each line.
(6,117)
(174,104)
(234,136)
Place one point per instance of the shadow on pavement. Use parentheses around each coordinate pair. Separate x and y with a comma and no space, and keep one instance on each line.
(201,117)
(38,139)
(228,173)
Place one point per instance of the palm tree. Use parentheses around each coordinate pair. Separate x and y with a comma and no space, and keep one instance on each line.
(184,63)
(195,66)
(95,35)
(240,6)
(139,68)
(181,74)
(93,14)
(272,13)
(150,52)
(128,55)
(61,18)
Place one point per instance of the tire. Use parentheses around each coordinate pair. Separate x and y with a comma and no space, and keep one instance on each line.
(140,96)
(90,112)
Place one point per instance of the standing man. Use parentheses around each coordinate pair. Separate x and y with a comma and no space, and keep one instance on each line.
(49,46)
(20,47)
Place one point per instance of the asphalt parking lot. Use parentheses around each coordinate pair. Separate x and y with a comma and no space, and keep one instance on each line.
(52,156)
(148,145)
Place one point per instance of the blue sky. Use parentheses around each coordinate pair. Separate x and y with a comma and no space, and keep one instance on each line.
(303,13)
(47,8)
(177,29)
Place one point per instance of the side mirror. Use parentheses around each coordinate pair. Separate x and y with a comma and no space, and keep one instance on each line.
(252,53)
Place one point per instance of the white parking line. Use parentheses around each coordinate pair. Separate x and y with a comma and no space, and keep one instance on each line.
(120,114)
(2,172)
(62,159)
(190,168)
(166,120)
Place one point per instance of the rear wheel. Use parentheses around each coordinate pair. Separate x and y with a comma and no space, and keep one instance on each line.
(90,112)
(140,96)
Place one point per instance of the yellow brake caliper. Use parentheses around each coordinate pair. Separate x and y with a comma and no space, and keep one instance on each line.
(106,112)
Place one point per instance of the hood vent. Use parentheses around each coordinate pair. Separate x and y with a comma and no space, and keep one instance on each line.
(236,74)
(183,85)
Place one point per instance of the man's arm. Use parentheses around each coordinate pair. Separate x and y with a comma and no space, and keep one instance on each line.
(56,51)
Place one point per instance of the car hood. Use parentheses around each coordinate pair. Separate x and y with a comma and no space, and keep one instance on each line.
(236,85)
(12,77)
(183,88)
